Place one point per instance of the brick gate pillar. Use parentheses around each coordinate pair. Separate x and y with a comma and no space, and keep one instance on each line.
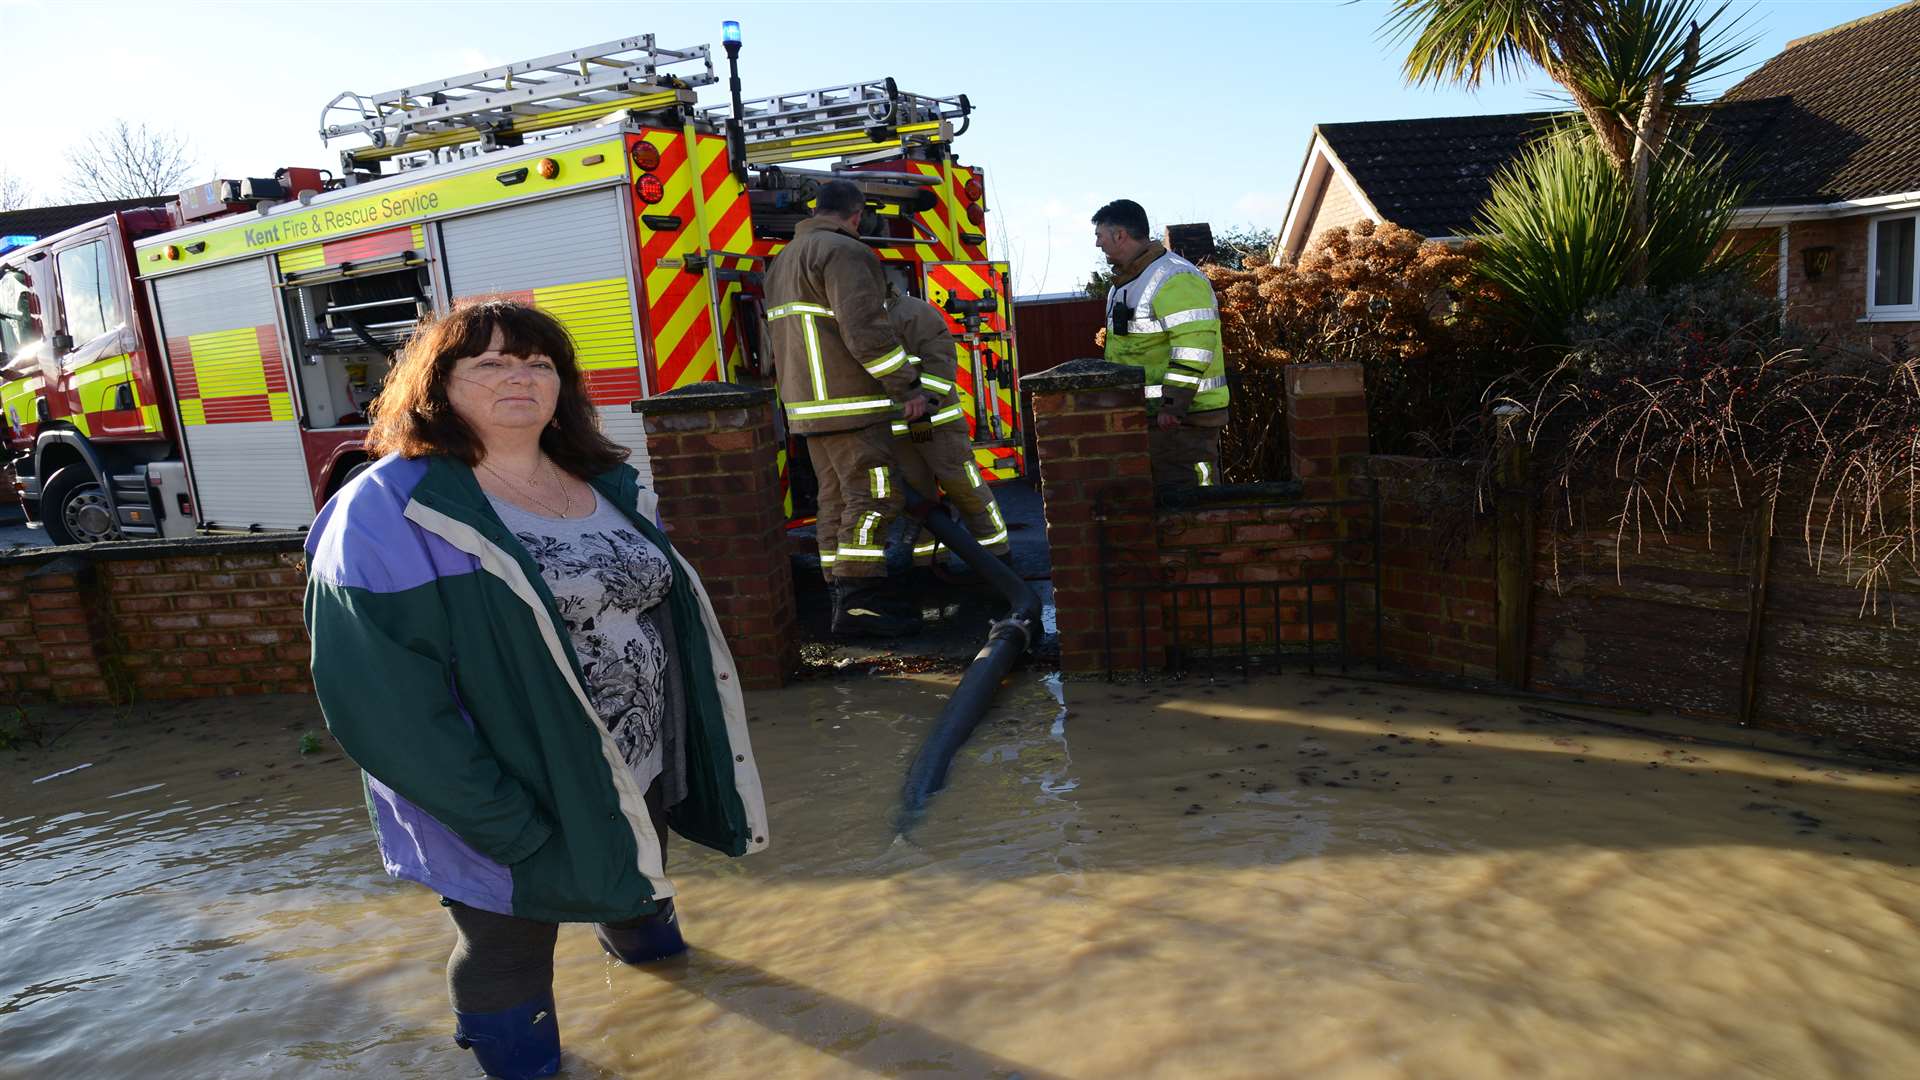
(1096,483)
(712,450)
(1326,426)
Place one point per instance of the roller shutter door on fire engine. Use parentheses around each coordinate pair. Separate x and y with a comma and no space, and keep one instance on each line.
(229,378)
(567,256)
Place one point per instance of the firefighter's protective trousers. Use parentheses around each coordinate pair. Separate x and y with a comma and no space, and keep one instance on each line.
(946,460)
(937,453)
(860,498)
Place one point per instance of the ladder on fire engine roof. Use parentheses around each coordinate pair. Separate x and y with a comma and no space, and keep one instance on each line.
(836,121)
(573,87)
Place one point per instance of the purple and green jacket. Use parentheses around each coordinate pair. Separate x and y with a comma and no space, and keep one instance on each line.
(446,673)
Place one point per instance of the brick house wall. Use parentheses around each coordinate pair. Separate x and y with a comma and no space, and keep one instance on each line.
(1332,206)
(1836,301)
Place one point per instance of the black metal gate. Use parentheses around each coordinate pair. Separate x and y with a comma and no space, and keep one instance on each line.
(1131,606)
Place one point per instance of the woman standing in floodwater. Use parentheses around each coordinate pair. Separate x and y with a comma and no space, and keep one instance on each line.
(532,680)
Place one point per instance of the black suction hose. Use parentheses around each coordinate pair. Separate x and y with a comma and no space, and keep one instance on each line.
(1007,640)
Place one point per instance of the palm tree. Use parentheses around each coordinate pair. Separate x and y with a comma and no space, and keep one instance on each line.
(1627,64)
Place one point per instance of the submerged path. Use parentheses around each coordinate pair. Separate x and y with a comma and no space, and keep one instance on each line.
(1288,877)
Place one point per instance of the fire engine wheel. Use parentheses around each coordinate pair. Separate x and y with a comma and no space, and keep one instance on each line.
(75,509)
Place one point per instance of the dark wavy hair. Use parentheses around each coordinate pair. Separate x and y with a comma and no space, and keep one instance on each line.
(413,418)
(1127,214)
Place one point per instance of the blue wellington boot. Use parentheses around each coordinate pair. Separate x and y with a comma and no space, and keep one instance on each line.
(516,1043)
(639,941)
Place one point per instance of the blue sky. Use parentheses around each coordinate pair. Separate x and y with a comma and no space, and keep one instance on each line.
(1202,112)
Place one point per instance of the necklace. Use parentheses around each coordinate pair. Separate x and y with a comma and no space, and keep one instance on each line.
(566,497)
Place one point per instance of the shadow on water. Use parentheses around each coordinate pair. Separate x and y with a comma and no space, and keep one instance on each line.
(861,1037)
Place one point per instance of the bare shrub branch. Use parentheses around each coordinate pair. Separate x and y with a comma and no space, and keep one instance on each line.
(130,161)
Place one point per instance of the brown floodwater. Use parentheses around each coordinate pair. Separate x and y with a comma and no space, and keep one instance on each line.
(1289,877)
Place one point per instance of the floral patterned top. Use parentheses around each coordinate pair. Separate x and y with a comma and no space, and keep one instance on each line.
(605,578)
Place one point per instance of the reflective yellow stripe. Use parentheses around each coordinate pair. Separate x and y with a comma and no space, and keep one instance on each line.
(839,407)
(945,416)
(935,383)
(1204,472)
(798,308)
(1192,315)
(814,367)
(877,482)
(887,364)
(999,524)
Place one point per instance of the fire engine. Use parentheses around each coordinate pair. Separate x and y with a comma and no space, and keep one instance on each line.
(84,395)
(590,183)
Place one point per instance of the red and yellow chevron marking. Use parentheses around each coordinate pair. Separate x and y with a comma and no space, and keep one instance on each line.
(970,281)
(598,316)
(230,377)
(356,249)
(999,462)
(704,210)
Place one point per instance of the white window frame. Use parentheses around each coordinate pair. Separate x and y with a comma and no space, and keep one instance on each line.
(1891,312)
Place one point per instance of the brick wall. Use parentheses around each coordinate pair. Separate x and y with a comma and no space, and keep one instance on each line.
(159,619)
(1437,570)
(1259,555)
(1213,569)
(196,625)
(23,668)
(222,615)
(1664,623)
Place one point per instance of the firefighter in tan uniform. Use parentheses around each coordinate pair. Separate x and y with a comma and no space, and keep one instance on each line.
(844,379)
(937,448)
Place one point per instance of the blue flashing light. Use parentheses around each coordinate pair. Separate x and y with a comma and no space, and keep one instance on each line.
(16,240)
(730,31)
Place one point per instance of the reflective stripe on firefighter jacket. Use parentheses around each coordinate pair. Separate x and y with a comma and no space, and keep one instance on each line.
(930,348)
(1164,319)
(839,363)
